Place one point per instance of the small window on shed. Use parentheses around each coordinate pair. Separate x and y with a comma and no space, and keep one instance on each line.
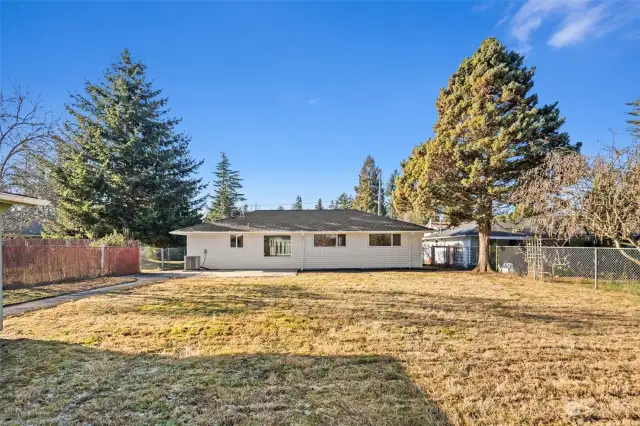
(397,239)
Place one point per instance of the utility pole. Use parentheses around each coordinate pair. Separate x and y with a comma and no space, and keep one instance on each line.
(379,190)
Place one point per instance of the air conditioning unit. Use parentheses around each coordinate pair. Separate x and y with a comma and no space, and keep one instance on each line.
(191,263)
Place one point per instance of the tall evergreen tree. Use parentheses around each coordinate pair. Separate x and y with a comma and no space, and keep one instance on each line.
(489,132)
(344,202)
(388,192)
(226,191)
(297,205)
(122,165)
(366,198)
(635,122)
(319,205)
(332,205)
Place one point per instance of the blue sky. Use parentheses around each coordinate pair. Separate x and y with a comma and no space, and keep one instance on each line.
(297,94)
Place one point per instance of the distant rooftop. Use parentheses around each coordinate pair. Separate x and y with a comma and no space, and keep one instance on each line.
(499,229)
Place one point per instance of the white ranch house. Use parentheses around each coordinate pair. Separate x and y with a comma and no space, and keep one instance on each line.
(306,240)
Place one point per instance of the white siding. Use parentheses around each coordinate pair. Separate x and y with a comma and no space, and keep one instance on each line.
(356,254)
(221,256)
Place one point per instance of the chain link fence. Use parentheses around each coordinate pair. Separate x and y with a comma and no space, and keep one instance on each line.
(600,267)
(162,259)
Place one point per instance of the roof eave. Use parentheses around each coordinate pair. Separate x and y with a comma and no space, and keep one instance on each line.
(21,200)
(283,231)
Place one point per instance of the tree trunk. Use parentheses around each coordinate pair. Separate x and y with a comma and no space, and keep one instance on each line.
(484,230)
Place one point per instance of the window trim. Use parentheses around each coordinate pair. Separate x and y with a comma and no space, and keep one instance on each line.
(337,240)
(234,238)
(283,236)
(391,234)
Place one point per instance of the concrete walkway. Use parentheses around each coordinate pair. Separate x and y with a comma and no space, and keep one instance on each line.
(141,279)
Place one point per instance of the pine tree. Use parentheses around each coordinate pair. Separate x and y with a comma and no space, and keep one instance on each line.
(388,192)
(121,164)
(226,191)
(297,205)
(319,205)
(489,132)
(332,205)
(366,198)
(635,122)
(344,202)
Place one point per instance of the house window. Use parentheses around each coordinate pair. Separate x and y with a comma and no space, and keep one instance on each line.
(330,240)
(277,245)
(385,240)
(236,241)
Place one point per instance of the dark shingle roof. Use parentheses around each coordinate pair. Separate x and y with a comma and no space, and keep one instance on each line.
(305,220)
(499,229)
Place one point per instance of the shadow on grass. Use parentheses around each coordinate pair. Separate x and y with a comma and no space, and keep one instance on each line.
(56,383)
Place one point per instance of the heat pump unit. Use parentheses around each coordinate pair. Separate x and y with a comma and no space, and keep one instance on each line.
(192,263)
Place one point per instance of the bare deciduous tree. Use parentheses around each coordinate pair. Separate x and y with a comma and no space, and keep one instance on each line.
(571,194)
(26,144)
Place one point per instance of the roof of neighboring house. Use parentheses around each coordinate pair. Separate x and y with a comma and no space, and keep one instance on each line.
(304,221)
(499,229)
(22,200)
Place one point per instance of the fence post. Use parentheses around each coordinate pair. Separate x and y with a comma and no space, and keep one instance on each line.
(595,267)
(102,259)
(162,259)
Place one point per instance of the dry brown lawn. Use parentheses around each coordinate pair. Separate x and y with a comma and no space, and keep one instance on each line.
(386,348)
(26,294)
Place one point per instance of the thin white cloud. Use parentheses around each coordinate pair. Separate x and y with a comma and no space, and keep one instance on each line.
(570,21)
(507,15)
(313,101)
(483,6)
(577,26)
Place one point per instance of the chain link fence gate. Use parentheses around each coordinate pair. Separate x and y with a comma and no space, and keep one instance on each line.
(162,259)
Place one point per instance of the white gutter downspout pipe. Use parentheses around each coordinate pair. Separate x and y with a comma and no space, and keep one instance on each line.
(303,250)
(411,257)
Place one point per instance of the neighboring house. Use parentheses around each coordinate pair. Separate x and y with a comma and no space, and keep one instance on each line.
(459,245)
(306,239)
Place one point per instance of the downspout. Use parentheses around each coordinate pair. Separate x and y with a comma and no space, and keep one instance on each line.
(303,250)
(410,257)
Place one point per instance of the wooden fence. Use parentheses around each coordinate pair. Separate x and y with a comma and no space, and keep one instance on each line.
(51,242)
(25,266)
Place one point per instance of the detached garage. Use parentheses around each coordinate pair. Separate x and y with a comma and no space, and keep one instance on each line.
(305,239)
